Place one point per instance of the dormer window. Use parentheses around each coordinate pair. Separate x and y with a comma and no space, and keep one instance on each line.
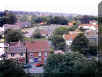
(12,54)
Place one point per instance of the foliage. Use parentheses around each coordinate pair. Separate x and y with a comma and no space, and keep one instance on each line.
(57,38)
(36,19)
(58,20)
(23,18)
(9,68)
(73,28)
(80,44)
(7,18)
(93,50)
(50,20)
(71,63)
(85,19)
(10,17)
(37,34)
(13,35)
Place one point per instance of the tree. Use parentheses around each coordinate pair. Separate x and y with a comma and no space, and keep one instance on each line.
(37,34)
(23,18)
(13,35)
(71,63)
(80,44)
(9,17)
(58,20)
(1,19)
(57,38)
(9,68)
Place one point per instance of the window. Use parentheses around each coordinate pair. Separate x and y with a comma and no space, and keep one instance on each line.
(12,54)
(45,53)
(21,54)
(39,58)
(39,54)
(35,59)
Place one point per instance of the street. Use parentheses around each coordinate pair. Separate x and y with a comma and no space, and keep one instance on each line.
(34,69)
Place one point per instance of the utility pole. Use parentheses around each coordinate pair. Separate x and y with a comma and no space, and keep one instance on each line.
(26,56)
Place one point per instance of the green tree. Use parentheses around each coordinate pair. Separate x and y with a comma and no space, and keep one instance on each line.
(57,38)
(13,35)
(9,17)
(58,20)
(80,44)
(71,63)
(9,68)
(36,34)
(23,18)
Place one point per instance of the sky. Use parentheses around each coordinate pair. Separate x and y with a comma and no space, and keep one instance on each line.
(89,7)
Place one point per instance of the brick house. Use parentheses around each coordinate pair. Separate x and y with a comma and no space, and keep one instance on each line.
(38,50)
(16,50)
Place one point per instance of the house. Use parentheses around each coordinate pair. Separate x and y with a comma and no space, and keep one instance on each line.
(44,33)
(88,26)
(69,38)
(3,47)
(38,50)
(16,50)
(59,52)
(24,24)
(94,22)
(92,37)
(70,24)
(11,26)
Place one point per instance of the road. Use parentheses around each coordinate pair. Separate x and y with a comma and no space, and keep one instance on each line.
(34,69)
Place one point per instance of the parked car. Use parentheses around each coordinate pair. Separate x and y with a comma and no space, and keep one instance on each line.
(27,66)
(39,64)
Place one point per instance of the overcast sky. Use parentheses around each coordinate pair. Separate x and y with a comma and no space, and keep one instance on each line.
(65,6)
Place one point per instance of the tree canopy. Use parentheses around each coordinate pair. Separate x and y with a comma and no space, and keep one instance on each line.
(13,35)
(71,63)
(7,17)
(36,34)
(9,68)
(80,44)
(57,38)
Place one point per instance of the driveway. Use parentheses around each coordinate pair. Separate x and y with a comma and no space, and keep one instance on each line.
(34,69)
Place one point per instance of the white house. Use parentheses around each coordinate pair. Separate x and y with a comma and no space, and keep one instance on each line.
(70,37)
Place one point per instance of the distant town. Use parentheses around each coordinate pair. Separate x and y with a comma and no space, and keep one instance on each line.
(49,42)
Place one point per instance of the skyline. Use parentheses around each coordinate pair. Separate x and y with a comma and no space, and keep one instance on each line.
(88,7)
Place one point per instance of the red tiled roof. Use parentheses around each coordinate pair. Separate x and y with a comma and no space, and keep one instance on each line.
(16,44)
(85,25)
(16,47)
(43,31)
(37,45)
(70,36)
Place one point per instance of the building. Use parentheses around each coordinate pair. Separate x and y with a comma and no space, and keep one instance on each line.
(69,38)
(11,26)
(16,50)
(89,26)
(92,37)
(38,50)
